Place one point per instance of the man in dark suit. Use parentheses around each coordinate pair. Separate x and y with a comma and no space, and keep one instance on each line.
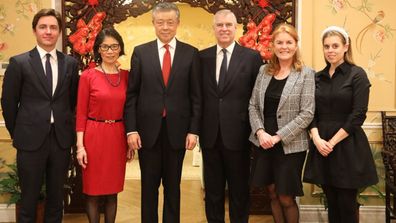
(163,111)
(38,100)
(228,75)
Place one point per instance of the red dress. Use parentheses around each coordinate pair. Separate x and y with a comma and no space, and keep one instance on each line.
(105,143)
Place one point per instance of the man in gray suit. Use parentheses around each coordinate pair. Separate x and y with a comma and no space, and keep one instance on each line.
(228,72)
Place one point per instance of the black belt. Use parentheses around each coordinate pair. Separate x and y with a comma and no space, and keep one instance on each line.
(105,121)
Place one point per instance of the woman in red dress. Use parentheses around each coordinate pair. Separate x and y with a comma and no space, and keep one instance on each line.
(101,140)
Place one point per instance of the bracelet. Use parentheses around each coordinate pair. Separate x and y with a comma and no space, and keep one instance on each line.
(331,144)
(80,149)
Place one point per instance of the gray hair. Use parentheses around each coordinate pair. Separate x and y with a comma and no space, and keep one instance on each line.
(224,12)
(166,6)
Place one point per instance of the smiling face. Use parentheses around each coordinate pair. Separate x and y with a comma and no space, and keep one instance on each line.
(284,46)
(224,28)
(109,56)
(47,32)
(334,50)
(165,25)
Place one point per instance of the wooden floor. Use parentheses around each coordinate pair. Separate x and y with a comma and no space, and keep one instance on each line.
(192,205)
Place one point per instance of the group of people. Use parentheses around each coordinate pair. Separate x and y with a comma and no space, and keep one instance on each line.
(174,94)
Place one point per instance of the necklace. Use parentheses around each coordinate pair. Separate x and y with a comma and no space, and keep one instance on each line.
(108,80)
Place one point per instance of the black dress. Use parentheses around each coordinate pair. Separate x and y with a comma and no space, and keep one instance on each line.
(341,102)
(273,165)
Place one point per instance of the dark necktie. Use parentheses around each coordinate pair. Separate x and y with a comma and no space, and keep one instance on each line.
(48,71)
(223,70)
(166,64)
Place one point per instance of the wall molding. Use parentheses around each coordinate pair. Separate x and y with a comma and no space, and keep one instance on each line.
(7,213)
(308,213)
(317,213)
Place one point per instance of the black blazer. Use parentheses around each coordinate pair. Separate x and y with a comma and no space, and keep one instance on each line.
(27,103)
(228,109)
(147,95)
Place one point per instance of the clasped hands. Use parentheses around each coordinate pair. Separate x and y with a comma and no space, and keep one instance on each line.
(324,147)
(266,140)
(135,143)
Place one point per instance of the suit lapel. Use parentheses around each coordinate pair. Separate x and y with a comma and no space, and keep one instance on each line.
(61,72)
(210,62)
(37,65)
(177,60)
(264,85)
(291,80)
(156,62)
(236,58)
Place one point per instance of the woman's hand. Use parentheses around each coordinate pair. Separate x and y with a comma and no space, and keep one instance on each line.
(82,157)
(130,154)
(264,139)
(323,146)
(275,139)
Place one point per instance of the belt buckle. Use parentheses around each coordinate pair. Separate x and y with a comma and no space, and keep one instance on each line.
(109,121)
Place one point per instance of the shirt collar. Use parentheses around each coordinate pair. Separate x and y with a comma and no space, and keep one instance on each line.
(43,52)
(172,43)
(343,68)
(229,49)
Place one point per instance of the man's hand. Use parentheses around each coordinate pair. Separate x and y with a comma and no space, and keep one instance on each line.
(130,154)
(134,141)
(191,141)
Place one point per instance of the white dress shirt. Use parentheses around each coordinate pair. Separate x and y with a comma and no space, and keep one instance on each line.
(219,58)
(54,68)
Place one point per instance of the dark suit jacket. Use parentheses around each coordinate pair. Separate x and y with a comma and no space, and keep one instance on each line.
(147,94)
(228,109)
(27,103)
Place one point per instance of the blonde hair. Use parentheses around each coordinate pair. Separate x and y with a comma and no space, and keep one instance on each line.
(348,54)
(273,67)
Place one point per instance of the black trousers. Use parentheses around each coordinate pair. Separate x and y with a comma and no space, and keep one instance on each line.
(222,165)
(342,204)
(162,162)
(49,165)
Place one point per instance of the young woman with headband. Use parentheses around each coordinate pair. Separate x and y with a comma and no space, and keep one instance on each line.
(340,158)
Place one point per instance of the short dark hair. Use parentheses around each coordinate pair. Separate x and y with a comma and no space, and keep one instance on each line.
(107,32)
(47,12)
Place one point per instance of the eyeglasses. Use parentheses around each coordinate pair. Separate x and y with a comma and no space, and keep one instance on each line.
(113,47)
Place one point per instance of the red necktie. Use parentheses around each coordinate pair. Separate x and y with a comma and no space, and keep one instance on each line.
(166,67)
(166,64)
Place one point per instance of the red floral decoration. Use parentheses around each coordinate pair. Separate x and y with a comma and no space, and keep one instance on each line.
(93,3)
(84,37)
(258,37)
(262,3)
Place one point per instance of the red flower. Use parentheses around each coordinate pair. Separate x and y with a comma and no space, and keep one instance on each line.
(93,3)
(262,3)
(84,37)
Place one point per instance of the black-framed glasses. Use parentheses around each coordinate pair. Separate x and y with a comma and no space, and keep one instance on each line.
(105,47)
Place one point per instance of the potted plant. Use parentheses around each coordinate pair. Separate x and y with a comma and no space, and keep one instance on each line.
(9,186)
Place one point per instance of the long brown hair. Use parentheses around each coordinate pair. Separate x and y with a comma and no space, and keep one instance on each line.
(273,67)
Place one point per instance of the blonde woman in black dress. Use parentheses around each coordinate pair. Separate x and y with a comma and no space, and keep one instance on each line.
(280,110)
(341,160)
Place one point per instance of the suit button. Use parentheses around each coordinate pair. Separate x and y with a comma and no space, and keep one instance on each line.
(221,100)
(279,116)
